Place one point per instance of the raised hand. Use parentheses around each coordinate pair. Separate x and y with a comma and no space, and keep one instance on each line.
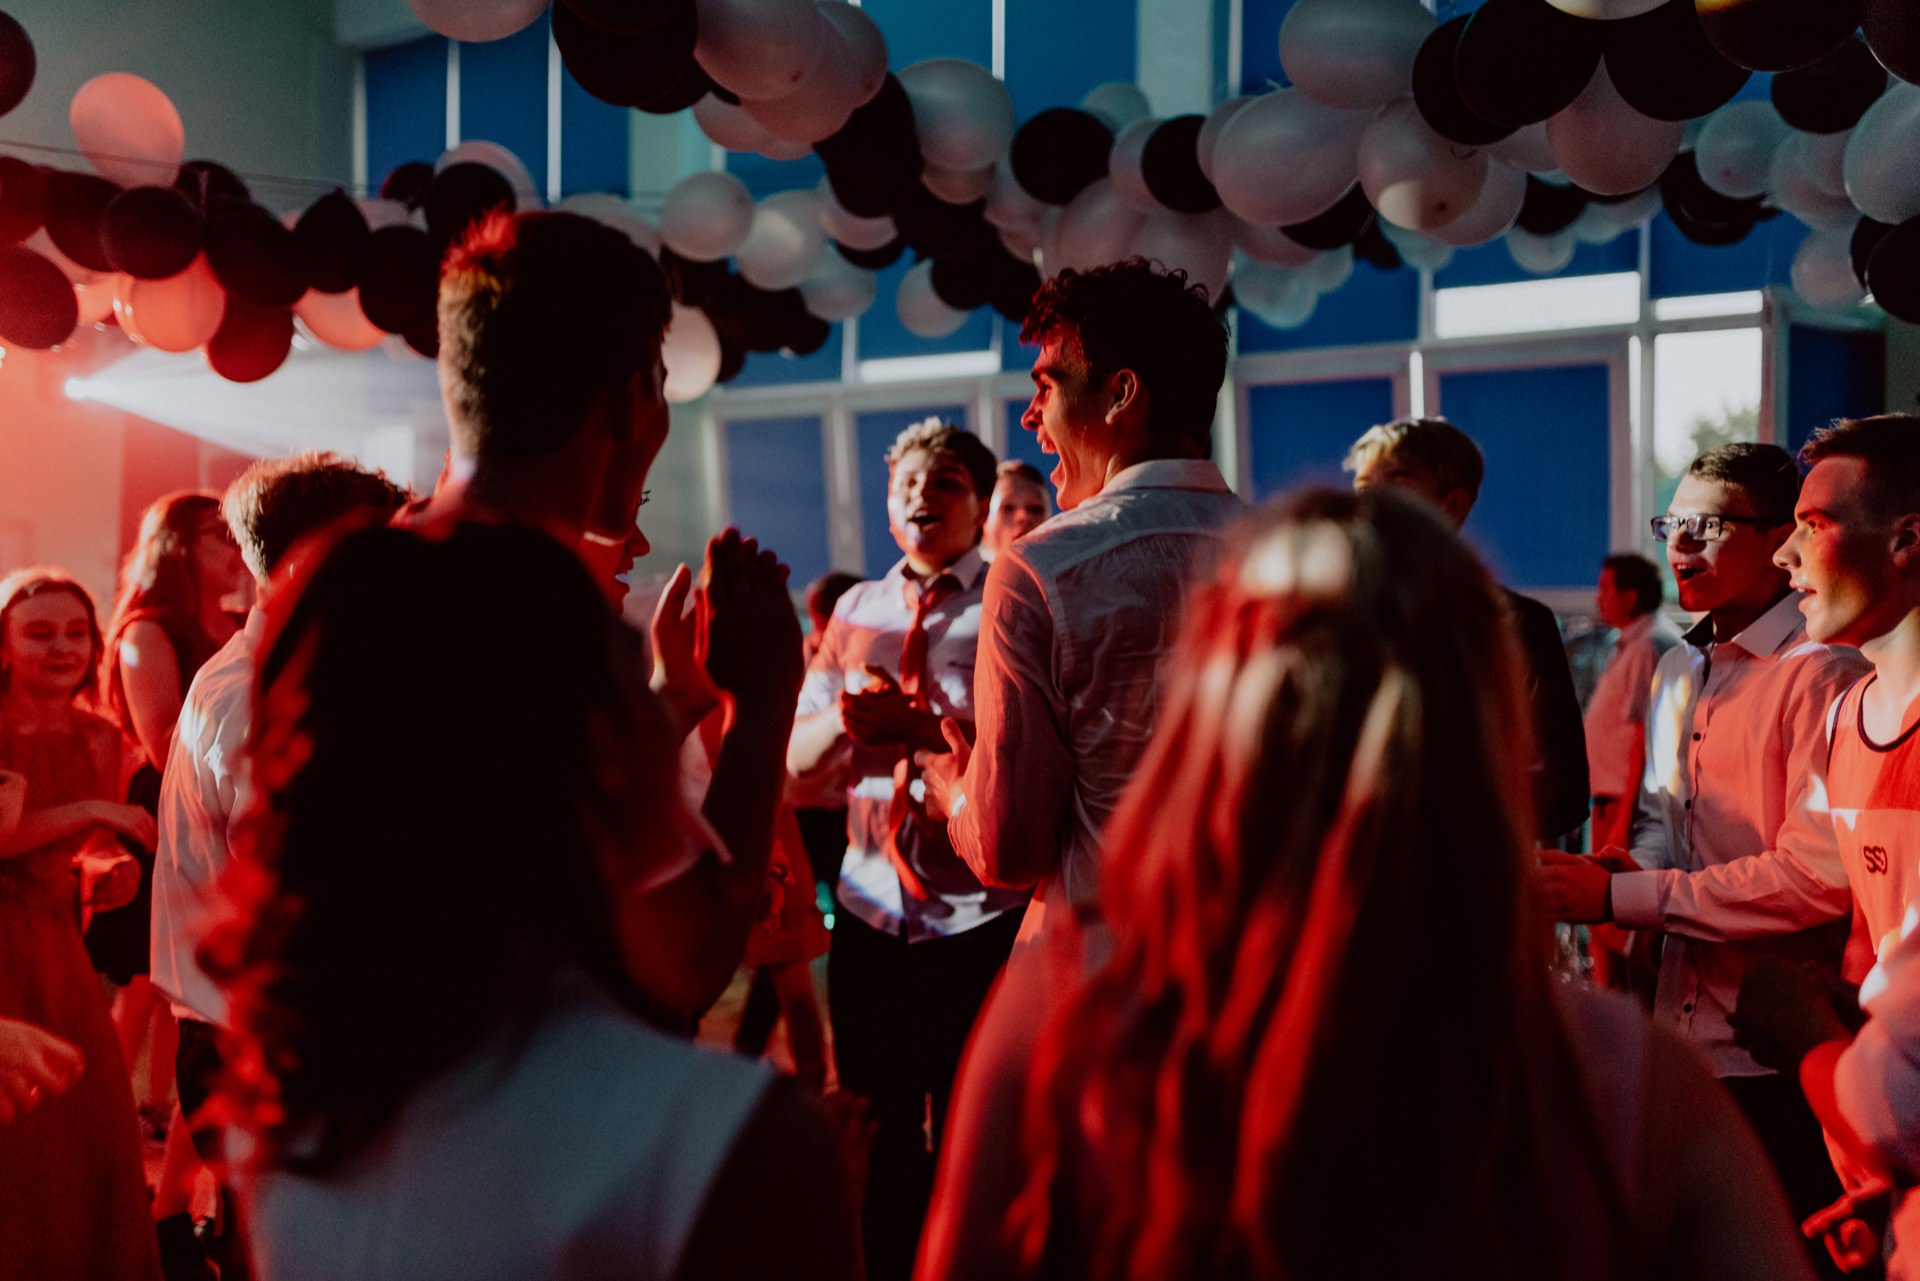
(749,634)
(678,677)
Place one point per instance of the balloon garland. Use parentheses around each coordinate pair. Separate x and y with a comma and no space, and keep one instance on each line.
(1541,123)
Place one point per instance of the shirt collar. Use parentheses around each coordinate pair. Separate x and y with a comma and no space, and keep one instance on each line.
(969,570)
(1169,473)
(1774,630)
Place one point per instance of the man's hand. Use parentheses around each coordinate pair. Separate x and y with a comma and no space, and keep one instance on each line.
(35,1065)
(881,715)
(1576,888)
(1853,1226)
(942,771)
(1615,859)
(679,680)
(749,636)
(1783,1011)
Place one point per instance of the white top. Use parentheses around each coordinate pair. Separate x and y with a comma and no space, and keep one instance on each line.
(1877,1083)
(199,794)
(870,625)
(1732,820)
(590,1155)
(1616,716)
(1080,613)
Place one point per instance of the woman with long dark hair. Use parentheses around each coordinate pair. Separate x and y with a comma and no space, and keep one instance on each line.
(461,787)
(1320,1036)
(73,1199)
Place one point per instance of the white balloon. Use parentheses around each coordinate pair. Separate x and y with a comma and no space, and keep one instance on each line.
(1606,10)
(838,290)
(1210,131)
(1094,229)
(849,230)
(1793,185)
(95,297)
(1827,161)
(1278,297)
(1330,270)
(1285,158)
(1271,246)
(337,321)
(129,129)
(1736,147)
(1636,209)
(1527,149)
(610,210)
(920,309)
(1416,250)
(1117,103)
(825,100)
(759,48)
(1022,242)
(706,216)
(1882,178)
(1008,204)
(1123,165)
(1541,255)
(478,151)
(1353,53)
(691,353)
(1492,212)
(866,45)
(785,241)
(1606,146)
(1415,178)
(1823,269)
(1199,244)
(1596,225)
(477,21)
(728,125)
(963,116)
(957,186)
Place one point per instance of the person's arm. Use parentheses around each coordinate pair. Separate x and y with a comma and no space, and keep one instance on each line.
(1876,1081)
(13,801)
(57,822)
(1007,800)
(1560,791)
(150,679)
(819,734)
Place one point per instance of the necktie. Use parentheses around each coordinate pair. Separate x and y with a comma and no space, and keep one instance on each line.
(913,683)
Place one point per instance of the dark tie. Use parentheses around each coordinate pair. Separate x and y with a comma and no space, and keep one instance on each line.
(913,683)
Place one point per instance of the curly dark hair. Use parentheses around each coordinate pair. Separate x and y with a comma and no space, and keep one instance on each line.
(1136,315)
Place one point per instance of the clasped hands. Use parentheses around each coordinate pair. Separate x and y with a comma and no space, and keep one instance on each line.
(740,638)
(1577,888)
(881,715)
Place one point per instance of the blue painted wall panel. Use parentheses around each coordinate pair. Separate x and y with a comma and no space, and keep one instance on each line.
(777,490)
(1832,374)
(873,436)
(919,29)
(1023,444)
(1491,264)
(593,142)
(1260,44)
(1677,267)
(406,105)
(764,177)
(1299,432)
(503,95)
(1057,50)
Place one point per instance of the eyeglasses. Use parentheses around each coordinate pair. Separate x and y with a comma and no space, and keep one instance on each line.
(1701,529)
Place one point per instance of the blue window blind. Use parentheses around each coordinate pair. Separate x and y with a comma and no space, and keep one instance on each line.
(1542,516)
(1832,373)
(873,436)
(1260,44)
(1057,50)
(777,490)
(503,96)
(593,142)
(1676,266)
(406,105)
(1024,445)
(1298,433)
(1373,306)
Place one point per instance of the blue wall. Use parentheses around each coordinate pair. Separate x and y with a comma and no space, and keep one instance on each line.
(777,490)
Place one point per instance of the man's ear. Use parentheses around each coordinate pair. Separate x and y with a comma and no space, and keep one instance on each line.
(1457,504)
(1905,548)
(1124,394)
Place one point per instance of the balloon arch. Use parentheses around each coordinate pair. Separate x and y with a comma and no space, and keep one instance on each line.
(1543,123)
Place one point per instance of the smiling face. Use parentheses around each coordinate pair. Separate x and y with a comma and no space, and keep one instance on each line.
(48,649)
(1017,508)
(1840,558)
(1068,411)
(1734,573)
(932,508)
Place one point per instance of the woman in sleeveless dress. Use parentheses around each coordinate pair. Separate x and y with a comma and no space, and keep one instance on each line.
(73,1199)
(1317,1034)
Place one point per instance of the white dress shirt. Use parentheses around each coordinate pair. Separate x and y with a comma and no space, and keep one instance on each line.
(1616,718)
(199,794)
(870,625)
(1080,615)
(1732,822)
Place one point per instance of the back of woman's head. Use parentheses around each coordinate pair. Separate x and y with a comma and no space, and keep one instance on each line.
(1329,977)
(159,577)
(422,853)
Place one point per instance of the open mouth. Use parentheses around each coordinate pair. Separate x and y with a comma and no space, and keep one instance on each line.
(1687,573)
(1046,442)
(923,520)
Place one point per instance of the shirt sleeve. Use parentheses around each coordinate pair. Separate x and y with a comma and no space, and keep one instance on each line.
(1877,1080)
(1560,790)
(1798,882)
(824,679)
(1019,782)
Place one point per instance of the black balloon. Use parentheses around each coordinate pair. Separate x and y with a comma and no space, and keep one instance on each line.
(694,84)
(1171,166)
(1892,28)
(1057,153)
(1777,35)
(868,197)
(691,282)
(877,144)
(335,234)
(963,282)
(151,233)
(806,335)
(1866,238)
(751,318)
(255,258)
(875,259)
(75,202)
(1830,96)
(251,342)
(627,71)
(38,308)
(400,280)
(1520,61)
(1340,225)
(1372,246)
(17,63)
(1665,67)
(408,183)
(23,199)
(733,358)
(626,17)
(461,195)
(1015,280)
(1549,208)
(425,340)
(933,228)
(1700,213)
(205,181)
(1893,271)
(1437,94)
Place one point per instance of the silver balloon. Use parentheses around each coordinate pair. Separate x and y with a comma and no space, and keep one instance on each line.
(920,309)
(1605,145)
(1199,244)
(838,290)
(1353,53)
(1415,178)
(1416,250)
(957,186)
(851,231)
(1526,148)
(728,125)
(1117,103)
(1210,131)
(1542,255)
(822,103)
(759,48)
(1882,178)
(784,243)
(477,21)
(1123,165)
(1823,268)
(1329,270)
(1271,246)
(691,353)
(1285,158)
(612,211)
(1606,10)
(1278,297)
(526,193)
(1501,194)
(1094,229)
(964,116)
(1736,148)
(865,44)
(1008,204)
(1794,186)
(706,216)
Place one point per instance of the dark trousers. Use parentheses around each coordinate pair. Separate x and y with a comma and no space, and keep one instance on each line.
(1788,1130)
(197,1068)
(901,1014)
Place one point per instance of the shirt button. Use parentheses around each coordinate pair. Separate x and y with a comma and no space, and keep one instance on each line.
(1696,736)
(1688,1007)
(1689,804)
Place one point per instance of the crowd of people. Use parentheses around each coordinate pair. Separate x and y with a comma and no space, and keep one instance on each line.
(1193,870)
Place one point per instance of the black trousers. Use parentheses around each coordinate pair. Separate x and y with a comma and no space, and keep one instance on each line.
(197,1068)
(901,1014)
(1790,1133)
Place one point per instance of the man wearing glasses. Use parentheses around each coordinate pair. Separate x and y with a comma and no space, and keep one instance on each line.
(1732,852)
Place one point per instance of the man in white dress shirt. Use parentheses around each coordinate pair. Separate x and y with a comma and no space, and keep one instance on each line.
(1080,612)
